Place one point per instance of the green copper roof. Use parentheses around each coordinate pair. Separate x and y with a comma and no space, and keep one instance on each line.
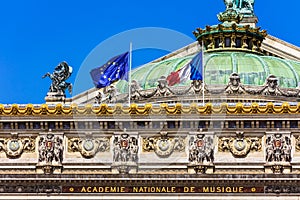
(252,68)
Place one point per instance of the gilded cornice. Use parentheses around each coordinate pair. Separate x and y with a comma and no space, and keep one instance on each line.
(147,109)
(233,28)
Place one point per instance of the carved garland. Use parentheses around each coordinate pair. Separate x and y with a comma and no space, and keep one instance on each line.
(14,147)
(88,147)
(163,146)
(239,146)
(148,108)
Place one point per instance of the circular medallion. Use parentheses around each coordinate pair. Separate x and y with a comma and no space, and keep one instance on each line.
(88,145)
(163,145)
(239,145)
(14,145)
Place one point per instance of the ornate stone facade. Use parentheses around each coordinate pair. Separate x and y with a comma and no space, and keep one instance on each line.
(169,140)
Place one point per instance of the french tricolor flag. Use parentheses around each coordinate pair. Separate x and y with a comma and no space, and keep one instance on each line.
(192,70)
(180,75)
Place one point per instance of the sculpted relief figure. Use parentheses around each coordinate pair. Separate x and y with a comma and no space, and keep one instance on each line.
(278,148)
(197,87)
(271,87)
(234,86)
(125,148)
(201,149)
(162,87)
(50,149)
(110,93)
(134,89)
(99,98)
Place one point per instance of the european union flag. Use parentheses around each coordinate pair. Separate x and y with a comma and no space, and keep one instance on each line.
(115,69)
(197,67)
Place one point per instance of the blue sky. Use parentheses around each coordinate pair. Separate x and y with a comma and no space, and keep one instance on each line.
(36,35)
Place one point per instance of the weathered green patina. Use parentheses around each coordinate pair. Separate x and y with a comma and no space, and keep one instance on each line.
(253,69)
(244,7)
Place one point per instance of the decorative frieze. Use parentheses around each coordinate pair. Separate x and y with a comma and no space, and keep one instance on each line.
(281,189)
(239,146)
(88,147)
(163,145)
(148,109)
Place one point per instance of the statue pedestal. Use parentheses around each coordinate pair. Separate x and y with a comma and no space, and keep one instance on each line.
(56,97)
(249,20)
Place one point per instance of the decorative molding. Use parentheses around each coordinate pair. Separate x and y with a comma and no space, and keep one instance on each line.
(239,146)
(163,145)
(88,147)
(148,108)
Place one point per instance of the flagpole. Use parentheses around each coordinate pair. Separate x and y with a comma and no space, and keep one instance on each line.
(130,66)
(202,46)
